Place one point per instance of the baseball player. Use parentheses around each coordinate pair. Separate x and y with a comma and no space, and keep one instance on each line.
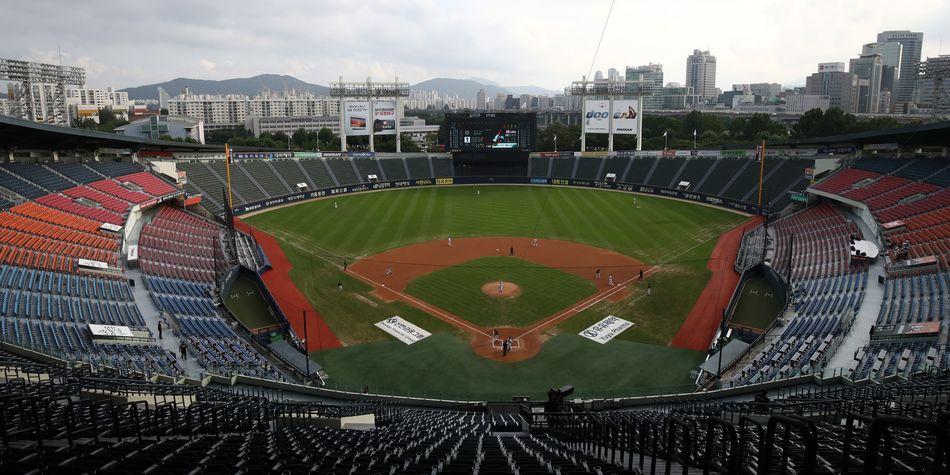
(597,274)
(389,271)
(501,287)
(450,241)
(610,279)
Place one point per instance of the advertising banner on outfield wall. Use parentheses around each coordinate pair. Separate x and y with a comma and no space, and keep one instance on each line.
(384,117)
(597,118)
(606,329)
(356,117)
(402,330)
(626,118)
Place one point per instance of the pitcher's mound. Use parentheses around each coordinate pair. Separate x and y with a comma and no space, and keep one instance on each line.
(508,291)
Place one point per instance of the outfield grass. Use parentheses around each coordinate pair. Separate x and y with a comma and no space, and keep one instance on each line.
(247,304)
(656,317)
(544,291)
(757,305)
(371,222)
(446,367)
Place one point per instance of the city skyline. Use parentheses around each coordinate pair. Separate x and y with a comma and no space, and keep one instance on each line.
(418,41)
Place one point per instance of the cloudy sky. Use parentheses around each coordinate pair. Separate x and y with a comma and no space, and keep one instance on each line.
(546,43)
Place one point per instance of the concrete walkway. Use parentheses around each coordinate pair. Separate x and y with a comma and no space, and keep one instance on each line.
(150,313)
(859,335)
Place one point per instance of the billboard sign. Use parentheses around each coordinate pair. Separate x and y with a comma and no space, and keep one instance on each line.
(626,118)
(402,330)
(597,117)
(384,117)
(606,329)
(356,117)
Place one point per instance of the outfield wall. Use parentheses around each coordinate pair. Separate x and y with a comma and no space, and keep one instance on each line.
(510,180)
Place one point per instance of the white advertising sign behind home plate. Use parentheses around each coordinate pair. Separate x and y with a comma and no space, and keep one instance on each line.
(403,331)
(606,329)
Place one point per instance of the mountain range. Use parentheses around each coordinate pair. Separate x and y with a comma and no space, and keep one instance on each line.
(252,86)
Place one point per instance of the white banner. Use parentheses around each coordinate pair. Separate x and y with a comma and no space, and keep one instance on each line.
(384,117)
(597,118)
(403,331)
(626,118)
(109,331)
(606,329)
(356,117)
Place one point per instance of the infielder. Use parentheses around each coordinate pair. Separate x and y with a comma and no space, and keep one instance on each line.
(610,279)
(501,287)
(450,241)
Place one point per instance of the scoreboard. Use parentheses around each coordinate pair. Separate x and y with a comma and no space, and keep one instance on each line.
(490,132)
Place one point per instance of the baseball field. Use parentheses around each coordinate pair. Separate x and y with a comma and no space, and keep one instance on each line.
(537,264)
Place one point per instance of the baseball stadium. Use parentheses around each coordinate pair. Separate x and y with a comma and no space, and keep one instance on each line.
(169,307)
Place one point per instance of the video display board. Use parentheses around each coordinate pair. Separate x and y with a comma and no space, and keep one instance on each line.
(491,131)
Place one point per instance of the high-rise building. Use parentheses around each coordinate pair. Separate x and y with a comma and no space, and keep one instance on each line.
(701,74)
(833,81)
(163,99)
(653,73)
(911,44)
(933,89)
(613,74)
(801,103)
(868,68)
(891,57)
(768,91)
(481,100)
(599,75)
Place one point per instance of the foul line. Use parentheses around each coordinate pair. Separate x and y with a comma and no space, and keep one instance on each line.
(600,297)
(424,305)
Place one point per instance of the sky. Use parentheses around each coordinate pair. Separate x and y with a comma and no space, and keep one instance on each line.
(546,43)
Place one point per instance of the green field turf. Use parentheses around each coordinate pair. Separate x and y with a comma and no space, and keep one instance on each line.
(544,291)
(317,238)
(758,304)
(248,305)
(445,367)
(371,222)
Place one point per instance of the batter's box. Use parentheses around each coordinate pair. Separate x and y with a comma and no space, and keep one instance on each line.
(515,343)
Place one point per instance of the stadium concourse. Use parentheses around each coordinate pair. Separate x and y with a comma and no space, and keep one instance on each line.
(118,353)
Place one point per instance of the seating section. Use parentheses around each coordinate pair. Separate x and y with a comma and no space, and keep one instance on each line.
(20,186)
(898,427)
(114,168)
(617,166)
(176,253)
(587,168)
(75,171)
(915,299)
(443,167)
(317,170)
(113,188)
(264,175)
(696,169)
(563,167)
(884,359)
(881,166)
(366,167)
(928,234)
(726,169)
(49,311)
(342,169)
(148,183)
(291,172)
(68,205)
(95,197)
(394,168)
(813,243)
(665,171)
(418,167)
(39,175)
(639,170)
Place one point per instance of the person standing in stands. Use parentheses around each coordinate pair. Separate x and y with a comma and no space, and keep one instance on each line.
(159,330)
(183,351)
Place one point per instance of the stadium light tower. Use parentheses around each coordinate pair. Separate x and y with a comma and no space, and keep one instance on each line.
(610,90)
(33,102)
(353,95)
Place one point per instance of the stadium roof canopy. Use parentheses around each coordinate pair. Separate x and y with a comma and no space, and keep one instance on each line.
(24,134)
(933,134)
